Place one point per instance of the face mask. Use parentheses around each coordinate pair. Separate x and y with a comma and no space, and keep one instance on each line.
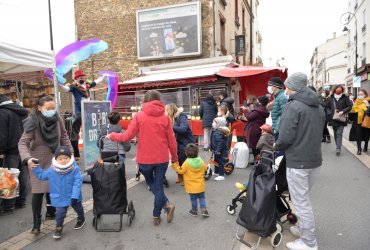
(323,94)
(338,91)
(360,97)
(286,93)
(219,114)
(269,89)
(81,82)
(49,113)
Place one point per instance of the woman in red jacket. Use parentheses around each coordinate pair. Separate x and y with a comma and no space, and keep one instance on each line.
(156,138)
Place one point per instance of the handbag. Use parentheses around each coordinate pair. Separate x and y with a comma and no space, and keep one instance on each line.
(337,117)
(366,122)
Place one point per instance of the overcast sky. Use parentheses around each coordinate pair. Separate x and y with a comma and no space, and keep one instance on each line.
(293,28)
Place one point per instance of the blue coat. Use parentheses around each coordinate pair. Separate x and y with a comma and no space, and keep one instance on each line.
(208,112)
(63,187)
(219,142)
(280,100)
(183,133)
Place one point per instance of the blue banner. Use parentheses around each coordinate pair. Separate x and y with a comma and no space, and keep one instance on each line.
(94,115)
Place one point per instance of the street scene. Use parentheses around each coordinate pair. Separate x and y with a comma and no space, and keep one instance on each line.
(184,124)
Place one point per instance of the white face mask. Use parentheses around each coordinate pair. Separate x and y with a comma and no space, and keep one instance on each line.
(270,90)
(219,114)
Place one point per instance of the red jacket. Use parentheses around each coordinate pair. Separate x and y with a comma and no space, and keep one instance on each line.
(155,135)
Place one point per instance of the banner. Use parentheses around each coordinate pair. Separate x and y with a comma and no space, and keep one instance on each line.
(94,115)
(240,45)
(170,31)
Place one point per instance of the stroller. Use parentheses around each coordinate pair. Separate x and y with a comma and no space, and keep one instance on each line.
(228,167)
(108,181)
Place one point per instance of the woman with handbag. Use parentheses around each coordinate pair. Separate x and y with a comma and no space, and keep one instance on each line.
(359,132)
(339,106)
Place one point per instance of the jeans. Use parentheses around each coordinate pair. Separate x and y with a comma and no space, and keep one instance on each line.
(338,136)
(14,161)
(221,163)
(62,211)
(154,175)
(194,201)
(207,137)
(300,182)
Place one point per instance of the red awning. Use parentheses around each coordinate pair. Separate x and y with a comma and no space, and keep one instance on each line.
(243,71)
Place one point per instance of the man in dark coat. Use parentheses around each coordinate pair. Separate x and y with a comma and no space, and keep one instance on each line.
(11,116)
(228,101)
(208,112)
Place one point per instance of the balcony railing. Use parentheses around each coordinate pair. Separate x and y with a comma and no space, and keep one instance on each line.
(364,28)
(363,62)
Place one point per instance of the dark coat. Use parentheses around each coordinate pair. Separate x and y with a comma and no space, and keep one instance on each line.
(325,103)
(228,101)
(343,104)
(255,119)
(11,116)
(183,133)
(219,142)
(208,112)
(108,145)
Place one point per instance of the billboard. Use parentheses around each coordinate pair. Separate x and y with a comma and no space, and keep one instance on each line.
(171,31)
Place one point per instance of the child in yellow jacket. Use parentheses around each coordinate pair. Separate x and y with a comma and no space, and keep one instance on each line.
(193,170)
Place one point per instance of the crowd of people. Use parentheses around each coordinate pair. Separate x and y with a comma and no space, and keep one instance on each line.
(39,146)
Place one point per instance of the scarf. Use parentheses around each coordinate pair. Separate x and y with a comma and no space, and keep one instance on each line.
(47,126)
(63,169)
(84,90)
(359,107)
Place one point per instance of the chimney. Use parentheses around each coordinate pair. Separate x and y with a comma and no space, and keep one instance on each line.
(334,35)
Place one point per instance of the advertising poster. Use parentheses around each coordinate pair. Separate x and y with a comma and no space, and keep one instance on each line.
(94,115)
(170,31)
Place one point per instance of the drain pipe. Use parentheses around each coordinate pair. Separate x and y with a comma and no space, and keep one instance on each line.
(214,29)
(251,35)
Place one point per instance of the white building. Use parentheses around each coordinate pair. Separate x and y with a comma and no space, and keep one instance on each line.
(328,63)
(358,18)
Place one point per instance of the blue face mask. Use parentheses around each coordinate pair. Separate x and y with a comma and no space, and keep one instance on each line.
(49,113)
(360,97)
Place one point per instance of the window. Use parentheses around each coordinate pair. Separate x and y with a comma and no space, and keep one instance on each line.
(222,35)
(363,54)
(364,21)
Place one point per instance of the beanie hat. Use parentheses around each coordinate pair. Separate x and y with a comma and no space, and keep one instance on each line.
(296,81)
(79,73)
(62,150)
(220,122)
(263,100)
(266,127)
(276,81)
(4,98)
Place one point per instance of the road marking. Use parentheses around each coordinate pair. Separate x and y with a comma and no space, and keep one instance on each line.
(25,238)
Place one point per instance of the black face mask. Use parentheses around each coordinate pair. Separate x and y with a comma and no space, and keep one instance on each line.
(81,81)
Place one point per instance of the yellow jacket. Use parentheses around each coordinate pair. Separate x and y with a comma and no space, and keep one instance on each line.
(193,170)
(359,107)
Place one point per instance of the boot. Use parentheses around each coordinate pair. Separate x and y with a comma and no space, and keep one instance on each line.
(328,139)
(36,224)
(365,147)
(50,212)
(358,150)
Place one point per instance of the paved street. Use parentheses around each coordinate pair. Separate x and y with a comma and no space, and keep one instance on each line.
(341,201)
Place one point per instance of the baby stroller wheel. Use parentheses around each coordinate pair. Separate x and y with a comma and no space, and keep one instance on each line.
(292,218)
(229,168)
(276,239)
(230,209)
(208,173)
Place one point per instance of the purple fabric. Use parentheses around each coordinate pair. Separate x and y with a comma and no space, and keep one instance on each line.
(66,51)
(256,118)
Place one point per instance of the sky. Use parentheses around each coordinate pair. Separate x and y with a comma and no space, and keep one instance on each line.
(292,29)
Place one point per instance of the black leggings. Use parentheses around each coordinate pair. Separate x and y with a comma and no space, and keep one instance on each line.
(37,202)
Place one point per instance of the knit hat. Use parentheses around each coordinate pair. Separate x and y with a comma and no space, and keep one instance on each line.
(266,127)
(79,73)
(220,122)
(263,100)
(276,81)
(62,150)
(296,81)
(3,98)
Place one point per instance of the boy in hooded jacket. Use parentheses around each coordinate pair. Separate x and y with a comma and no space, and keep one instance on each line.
(193,170)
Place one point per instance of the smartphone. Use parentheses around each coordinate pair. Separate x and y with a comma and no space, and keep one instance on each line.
(35,161)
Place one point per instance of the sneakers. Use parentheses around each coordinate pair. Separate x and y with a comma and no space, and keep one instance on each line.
(193,212)
(295,231)
(204,213)
(80,223)
(157,221)
(240,186)
(337,152)
(220,178)
(299,245)
(58,233)
(169,209)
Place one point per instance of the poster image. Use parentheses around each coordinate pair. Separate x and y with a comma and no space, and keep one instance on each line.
(170,31)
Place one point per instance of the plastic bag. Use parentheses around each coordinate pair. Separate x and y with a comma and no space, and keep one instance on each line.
(9,183)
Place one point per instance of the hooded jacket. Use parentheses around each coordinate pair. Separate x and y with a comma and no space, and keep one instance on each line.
(11,117)
(228,101)
(193,170)
(280,100)
(208,112)
(155,135)
(301,128)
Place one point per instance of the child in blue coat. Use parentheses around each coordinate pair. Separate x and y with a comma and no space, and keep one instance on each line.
(65,183)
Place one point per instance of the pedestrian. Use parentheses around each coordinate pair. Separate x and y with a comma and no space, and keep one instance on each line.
(182,132)
(249,104)
(325,103)
(193,170)
(300,137)
(65,181)
(228,101)
(357,132)
(267,140)
(254,120)
(351,97)
(80,89)
(339,106)
(11,117)
(43,132)
(156,138)
(106,145)
(208,112)
(219,145)
(275,88)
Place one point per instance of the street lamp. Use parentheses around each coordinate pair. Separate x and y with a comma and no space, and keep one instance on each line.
(344,19)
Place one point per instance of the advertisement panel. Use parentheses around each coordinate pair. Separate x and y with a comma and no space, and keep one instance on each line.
(171,31)
(94,115)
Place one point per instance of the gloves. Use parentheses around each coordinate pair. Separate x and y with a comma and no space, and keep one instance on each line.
(74,201)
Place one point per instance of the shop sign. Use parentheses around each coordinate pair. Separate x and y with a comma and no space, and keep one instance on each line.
(357,81)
